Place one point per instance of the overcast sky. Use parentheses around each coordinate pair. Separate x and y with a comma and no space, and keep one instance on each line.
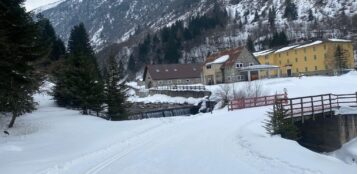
(32,4)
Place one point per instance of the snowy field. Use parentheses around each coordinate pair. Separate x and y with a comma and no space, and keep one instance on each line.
(54,140)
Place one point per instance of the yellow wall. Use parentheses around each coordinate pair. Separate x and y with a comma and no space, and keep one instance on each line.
(316,62)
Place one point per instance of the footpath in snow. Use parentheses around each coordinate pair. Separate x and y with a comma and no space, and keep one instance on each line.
(55,140)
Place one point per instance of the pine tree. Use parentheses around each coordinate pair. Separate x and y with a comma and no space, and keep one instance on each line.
(277,124)
(341,59)
(311,16)
(290,12)
(19,48)
(78,81)
(250,44)
(115,91)
(49,38)
(256,17)
(271,18)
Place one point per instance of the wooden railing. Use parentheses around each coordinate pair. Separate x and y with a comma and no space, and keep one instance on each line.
(255,101)
(180,88)
(318,104)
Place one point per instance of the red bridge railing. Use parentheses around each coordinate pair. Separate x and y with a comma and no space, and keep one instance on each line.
(256,101)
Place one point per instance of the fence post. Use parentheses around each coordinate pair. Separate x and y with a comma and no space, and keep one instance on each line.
(291,110)
(323,106)
(266,102)
(313,108)
(330,100)
(302,110)
(229,103)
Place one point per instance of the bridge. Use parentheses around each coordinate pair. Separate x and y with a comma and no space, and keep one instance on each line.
(302,108)
(321,120)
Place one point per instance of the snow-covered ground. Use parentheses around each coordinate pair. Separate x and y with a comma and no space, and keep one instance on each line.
(55,140)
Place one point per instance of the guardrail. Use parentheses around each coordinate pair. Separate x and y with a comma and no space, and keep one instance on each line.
(255,101)
(318,104)
(180,88)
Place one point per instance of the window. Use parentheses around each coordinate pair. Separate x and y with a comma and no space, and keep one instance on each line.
(157,70)
(296,59)
(315,68)
(324,46)
(325,55)
(160,82)
(297,69)
(188,81)
(314,48)
(305,59)
(166,70)
(279,55)
(169,82)
(279,62)
(304,50)
(194,69)
(306,69)
(287,53)
(315,57)
(295,51)
(209,66)
(239,65)
(251,64)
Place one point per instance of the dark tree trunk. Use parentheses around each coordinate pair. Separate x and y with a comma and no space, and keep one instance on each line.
(13,118)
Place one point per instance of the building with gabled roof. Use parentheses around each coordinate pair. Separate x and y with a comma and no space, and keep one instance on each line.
(172,74)
(310,58)
(227,66)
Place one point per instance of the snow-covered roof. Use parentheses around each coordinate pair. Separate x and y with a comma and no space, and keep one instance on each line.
(260,67)
(339,40)
(219,60)
(311,44)
(285,48)
(262,53)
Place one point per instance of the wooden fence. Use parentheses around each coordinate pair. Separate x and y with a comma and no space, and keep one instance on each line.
(181,88)
(318,104)
(255,101)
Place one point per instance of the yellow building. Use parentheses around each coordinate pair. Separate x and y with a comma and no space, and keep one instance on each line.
(316,58)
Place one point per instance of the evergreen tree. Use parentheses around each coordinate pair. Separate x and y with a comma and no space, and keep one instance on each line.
(115,91)
(290,12)
(78,43)
(78,81)
(271,18)
(277,124)
(19,48)
(311,16)
(250,44)
(48,37)
(341,59)
(256,17)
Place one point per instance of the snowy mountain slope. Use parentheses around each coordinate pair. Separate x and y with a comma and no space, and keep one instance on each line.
(35,4)
(114,21)
(56,140)
(110,21)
